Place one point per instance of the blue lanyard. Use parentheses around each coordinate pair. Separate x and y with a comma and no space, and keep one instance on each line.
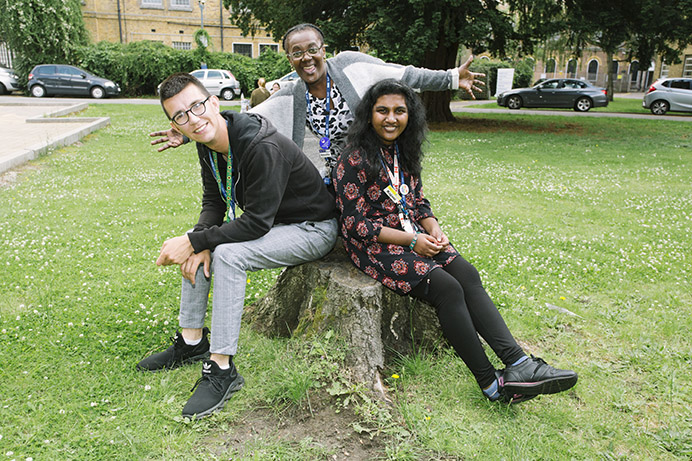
(325,143)
(230,188)
(402,204)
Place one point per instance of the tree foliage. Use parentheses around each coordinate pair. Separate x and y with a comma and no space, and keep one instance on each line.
(426,33)
(642,28)
(42,31)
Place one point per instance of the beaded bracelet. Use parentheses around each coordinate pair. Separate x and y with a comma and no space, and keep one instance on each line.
(413,242)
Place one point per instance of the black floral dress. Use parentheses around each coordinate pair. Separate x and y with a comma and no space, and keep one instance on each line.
(365,209)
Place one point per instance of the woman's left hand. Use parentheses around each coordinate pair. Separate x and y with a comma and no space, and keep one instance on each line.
(427,245)
(432,227)
(441,237)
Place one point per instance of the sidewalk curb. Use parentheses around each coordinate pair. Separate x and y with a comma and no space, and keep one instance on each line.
(32,152)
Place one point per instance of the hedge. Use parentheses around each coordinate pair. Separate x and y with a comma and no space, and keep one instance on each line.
(139,67)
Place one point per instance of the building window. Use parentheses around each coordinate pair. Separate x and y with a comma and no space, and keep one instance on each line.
(687,66)
(592,71)
(156,4)
(182,45)
(664,70)
(614,67)
(181,5)
(243,48)
(550,66)
(268,46)
(572,68)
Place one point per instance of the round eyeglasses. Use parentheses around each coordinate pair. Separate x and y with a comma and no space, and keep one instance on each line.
(314,51)
(198,108)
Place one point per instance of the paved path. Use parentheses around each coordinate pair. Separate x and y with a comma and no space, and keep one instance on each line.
(30,129)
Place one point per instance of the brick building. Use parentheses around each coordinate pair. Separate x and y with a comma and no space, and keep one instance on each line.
(630,76)
(172,22)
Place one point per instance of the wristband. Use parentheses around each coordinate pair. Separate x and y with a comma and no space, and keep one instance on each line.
(413,242)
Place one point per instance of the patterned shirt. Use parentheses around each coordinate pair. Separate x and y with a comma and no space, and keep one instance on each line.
(340,117)
(365,209)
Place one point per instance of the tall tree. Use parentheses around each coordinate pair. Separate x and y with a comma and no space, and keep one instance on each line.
(643,28)
(426,33)
(41,31)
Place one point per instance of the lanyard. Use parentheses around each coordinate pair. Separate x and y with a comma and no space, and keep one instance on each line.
(228,194)
(325,143)
(397,189)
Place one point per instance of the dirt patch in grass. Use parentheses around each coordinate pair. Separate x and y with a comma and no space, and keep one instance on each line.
(317,426)
(491,125)
(9,177)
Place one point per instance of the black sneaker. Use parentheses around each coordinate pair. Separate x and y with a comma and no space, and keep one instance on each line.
(176,355)
(213,389)
(509,398)
(533,376)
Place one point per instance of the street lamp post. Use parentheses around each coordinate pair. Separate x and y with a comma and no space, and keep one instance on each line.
(201,11)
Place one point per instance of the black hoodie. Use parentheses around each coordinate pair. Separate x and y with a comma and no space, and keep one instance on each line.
(274,183)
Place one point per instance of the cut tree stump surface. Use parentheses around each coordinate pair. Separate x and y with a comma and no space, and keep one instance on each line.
(332,294)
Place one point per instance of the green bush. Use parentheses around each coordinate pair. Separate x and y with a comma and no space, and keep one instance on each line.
(139,67)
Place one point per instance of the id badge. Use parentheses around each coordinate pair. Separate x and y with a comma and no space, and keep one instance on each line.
(392,194)
(406,224)
(325,154)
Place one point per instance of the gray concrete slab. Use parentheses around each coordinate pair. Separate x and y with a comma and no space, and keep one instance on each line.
(31,129)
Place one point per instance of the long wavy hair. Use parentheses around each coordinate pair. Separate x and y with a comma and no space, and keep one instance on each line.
(362,136)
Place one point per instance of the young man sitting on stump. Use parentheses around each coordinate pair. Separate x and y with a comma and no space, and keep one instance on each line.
(288,219)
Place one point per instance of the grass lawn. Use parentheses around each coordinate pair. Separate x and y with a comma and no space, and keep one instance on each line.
(581,230)
(621,105)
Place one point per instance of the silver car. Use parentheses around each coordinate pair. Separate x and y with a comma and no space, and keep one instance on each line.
(669,94)
(8,81)
(218,82)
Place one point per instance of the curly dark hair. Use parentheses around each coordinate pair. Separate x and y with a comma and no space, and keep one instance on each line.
(362,137)
(175,83)
(298,28)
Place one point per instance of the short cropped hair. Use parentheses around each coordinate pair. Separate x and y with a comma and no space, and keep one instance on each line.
(298,28)
(175,83)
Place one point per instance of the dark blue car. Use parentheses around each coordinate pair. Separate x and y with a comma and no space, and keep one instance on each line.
(61,79)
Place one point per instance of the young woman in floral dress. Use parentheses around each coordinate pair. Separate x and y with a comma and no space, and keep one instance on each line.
(391,234)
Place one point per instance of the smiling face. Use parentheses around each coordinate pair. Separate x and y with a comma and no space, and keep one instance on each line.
(311,69)
(208,128)
(389,117)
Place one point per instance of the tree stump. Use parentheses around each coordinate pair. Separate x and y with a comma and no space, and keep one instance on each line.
(332,294)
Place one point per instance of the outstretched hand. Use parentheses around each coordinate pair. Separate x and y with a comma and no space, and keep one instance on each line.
(468,80)
(172,137)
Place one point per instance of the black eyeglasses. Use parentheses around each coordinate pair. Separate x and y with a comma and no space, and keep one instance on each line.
(198,108)
(314,51)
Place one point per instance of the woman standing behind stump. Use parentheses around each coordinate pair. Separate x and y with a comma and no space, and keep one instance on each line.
(390,233)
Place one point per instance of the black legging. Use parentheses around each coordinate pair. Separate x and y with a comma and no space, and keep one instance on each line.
(464,308)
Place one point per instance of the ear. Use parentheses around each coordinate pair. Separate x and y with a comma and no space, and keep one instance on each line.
(215,103)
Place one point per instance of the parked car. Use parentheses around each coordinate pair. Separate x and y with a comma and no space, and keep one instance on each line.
(61,79)
(284,81)
(218,82)
(558,93)
(8,81)
(669,94)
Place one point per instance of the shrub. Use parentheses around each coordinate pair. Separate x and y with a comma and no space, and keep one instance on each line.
(139,67)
